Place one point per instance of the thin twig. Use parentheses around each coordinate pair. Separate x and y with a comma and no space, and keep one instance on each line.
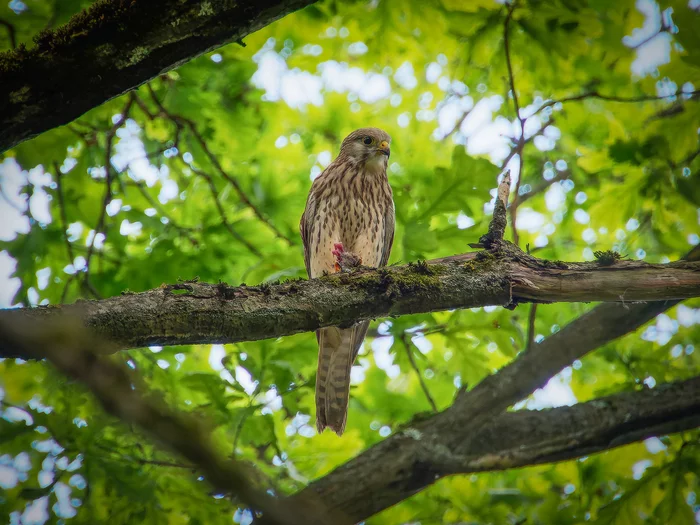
(99,253)
(186,231)
(414,365)
(686,161)
(9,200)
(64,293)
(100,227)
(142,106)
(519,199)
(64,227)
(521,139)
(457,125)
(529,139)
(11,32)
(663,29)
(612,98)
(222,213)
(62,212)
(178,119)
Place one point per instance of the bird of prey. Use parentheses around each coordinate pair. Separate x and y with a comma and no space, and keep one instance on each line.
(348,220)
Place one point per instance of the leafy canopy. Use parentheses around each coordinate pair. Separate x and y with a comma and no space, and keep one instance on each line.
(208,167)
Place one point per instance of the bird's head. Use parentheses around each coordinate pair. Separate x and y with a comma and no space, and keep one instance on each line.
(368,146)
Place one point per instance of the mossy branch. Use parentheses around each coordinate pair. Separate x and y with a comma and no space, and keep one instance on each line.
(112,47)
(201,313)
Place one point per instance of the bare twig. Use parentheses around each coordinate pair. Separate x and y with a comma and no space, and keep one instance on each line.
(142,105)
(100,227)
(64,226)
(457,125)
(528,140)
(222,213)
(519,199)
(62,211)
(686,161)
(663,29)
(521,139)
(407,346)
(613,98)
(64,293)
(186,231)
(183,121)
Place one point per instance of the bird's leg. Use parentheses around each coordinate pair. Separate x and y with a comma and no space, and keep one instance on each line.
(345,261)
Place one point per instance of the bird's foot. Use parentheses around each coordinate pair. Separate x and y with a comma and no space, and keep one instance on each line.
(345,261)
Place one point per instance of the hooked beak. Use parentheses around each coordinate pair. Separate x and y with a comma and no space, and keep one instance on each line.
(384,148)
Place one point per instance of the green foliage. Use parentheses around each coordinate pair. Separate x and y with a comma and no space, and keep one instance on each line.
(604,174)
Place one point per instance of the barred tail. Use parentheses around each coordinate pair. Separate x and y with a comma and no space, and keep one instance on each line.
(336,352)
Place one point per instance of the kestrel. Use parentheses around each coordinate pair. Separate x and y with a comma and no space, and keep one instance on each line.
(348,220)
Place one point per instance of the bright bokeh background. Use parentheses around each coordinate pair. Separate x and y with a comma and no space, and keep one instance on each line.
(596,174)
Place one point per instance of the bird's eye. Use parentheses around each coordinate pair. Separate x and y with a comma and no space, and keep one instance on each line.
(367,140)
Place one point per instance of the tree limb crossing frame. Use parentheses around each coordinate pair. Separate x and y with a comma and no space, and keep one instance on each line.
(469,436)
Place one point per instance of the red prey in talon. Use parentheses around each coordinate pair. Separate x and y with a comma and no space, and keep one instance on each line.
(344,261)
(338,250)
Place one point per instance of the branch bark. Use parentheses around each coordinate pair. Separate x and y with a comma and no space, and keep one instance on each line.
(511,440)
(397,468)
(73,350)
(115,46)
(200,313)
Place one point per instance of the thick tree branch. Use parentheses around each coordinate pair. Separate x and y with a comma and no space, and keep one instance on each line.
(399,467)
(200,313)
(511,440)
(115,46)
(74,351)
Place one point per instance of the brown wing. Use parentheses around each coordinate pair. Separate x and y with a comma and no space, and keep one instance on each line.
(305,226)
(389,225)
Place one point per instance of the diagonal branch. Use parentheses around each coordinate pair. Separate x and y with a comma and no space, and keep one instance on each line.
(518,150)
(180,122)
(405,339)
(222,213)
(420,457)
(118,45)
(72,349)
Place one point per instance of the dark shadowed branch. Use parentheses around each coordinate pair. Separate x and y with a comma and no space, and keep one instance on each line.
(116,46)
(415,457)
(74,351)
